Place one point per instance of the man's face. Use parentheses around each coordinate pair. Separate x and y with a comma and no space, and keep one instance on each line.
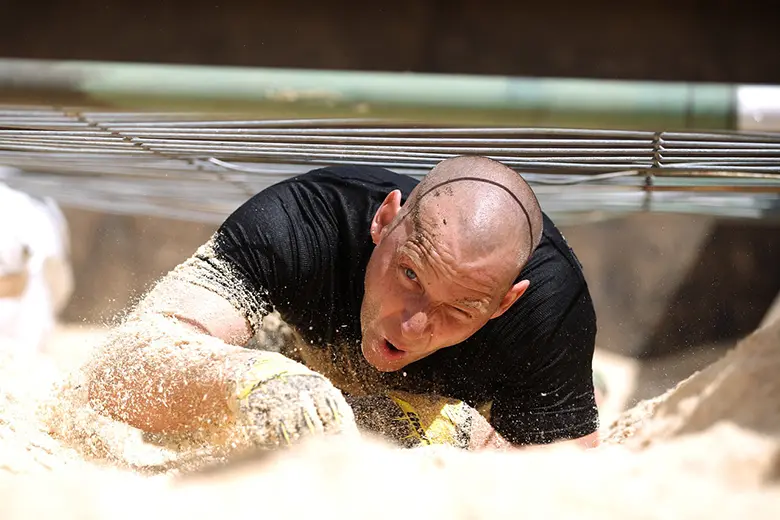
(427,287)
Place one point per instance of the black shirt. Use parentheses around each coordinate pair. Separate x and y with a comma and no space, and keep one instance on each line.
(304,244)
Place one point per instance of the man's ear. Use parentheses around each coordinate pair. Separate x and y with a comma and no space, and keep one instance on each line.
(390,207)
(513,294)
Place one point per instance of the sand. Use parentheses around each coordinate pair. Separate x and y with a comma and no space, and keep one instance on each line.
(708,448)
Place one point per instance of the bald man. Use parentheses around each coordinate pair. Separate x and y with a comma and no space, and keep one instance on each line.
(412,305)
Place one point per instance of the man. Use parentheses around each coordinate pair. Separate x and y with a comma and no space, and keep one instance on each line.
(457,287)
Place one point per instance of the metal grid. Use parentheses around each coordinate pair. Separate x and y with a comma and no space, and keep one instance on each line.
(200,167)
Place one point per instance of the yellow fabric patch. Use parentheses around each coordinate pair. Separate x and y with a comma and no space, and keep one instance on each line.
(433,419)
(270,366)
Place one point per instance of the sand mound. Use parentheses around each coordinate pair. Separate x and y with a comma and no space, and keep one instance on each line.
(739,394)
(742,388)
(709,448)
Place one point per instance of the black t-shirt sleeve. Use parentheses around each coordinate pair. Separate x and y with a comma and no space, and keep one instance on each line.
(279,243)
(553,398)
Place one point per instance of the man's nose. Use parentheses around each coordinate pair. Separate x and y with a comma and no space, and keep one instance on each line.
(416,325)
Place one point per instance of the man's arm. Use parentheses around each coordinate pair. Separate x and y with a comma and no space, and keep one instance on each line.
(171,364)
(175,364)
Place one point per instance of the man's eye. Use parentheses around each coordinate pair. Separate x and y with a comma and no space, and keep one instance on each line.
(410,274)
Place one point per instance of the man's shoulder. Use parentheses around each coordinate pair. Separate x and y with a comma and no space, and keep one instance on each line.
(360,177)
(557,285)
(558,248)
(555,275)
(327,190)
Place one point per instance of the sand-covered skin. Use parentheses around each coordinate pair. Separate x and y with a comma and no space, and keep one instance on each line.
(177,362)
(45,423)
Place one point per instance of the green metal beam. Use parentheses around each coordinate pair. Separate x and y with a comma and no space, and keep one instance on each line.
(430,98)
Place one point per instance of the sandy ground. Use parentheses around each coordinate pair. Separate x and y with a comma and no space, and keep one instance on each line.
(708,448)
(630,380)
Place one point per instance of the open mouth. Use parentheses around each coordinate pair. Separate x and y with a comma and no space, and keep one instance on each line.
(391,350)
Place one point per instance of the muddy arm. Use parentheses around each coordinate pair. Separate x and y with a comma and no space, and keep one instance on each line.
(176,364)
(172,363)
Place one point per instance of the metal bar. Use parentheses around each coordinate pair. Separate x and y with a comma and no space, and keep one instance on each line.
(673,145)
(207,120)
(280,93)
(184,145)
(324,130)
(390,140)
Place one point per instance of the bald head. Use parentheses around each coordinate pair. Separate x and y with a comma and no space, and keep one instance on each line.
(447,261)
(487,204)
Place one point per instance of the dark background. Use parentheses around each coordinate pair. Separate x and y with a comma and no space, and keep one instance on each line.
(729,41)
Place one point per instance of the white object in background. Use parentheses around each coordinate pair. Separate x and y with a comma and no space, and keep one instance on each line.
(758,108)
(36,279)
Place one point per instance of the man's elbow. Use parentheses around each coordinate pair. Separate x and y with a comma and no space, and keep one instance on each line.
(109,394)
(116,377)
(126,400)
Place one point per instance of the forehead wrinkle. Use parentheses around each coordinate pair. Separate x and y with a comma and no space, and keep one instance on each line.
(437,255)
(437,265)
(427,254)
(453,249)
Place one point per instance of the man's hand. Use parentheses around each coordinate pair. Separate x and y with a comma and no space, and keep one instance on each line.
(280,401)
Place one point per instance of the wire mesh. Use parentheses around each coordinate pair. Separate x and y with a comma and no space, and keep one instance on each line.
(201,167)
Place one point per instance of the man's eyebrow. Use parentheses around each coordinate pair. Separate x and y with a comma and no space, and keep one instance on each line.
(420,256)
(402,256)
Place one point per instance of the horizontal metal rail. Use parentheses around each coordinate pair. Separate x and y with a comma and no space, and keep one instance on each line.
(425,98)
